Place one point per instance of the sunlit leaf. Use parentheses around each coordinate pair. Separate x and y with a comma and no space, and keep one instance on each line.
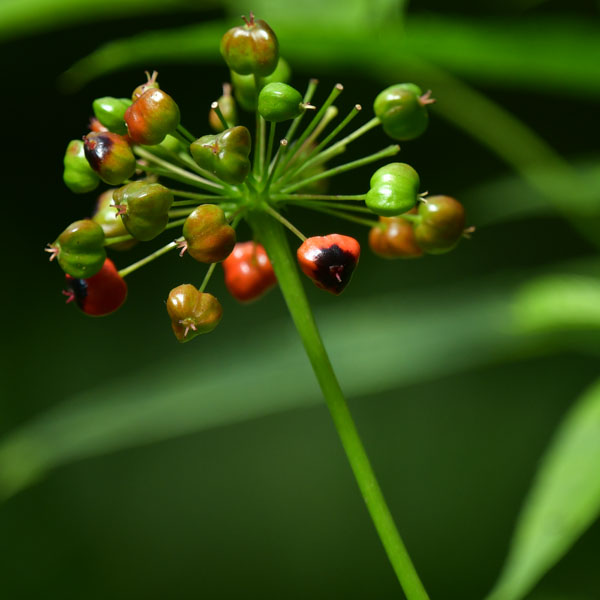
(563,502)
(18,17)
(559,303)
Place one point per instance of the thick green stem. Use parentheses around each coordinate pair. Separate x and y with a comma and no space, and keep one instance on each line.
(272,235)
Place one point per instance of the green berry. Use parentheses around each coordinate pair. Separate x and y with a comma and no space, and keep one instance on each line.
(228,110)
(111,113)
(106,216)
(209,238)
(224,154)
(402,111)
(394,190)
(192,312)
(244,86)
(78,176)
(80,249)
(144,208)
(110,155)
(442,224)
(251,49)
(280,102)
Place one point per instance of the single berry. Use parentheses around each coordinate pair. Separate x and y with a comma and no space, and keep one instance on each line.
(329,260)
(244,86)
(110,155)
(394,190)
(80,249)
(396,239)
(110,112)
(192,312)
(78,176)
(152,117)
(225,154)
(100,294)
(228,110)
(149,84)
(280,102)
(248,272)
(144,208)
(208,236)
(106,216)
(251,48)
(402,111)
(442,224)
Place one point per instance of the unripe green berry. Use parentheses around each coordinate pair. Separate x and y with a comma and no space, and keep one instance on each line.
(111,113)
(442,224)
(394,190)
(106,216)
(402,111)
(209,238)
(244,86)
(80,249)
(110,155)
(78,176)
(228,110)
(192,312)
(251,49)
(280,102)
(144,208)
(225,154)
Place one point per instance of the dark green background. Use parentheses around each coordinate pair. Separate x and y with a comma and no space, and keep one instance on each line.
(268,508)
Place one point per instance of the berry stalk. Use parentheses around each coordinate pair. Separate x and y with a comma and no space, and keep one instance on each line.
(272,236)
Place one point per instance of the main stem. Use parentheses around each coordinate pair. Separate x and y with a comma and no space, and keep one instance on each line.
(272,235)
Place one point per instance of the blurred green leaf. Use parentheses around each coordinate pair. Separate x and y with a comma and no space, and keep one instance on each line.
(511,198)
(172,399)
(559,303)
(558,54)
(562,504)
(450,330)
(18,17)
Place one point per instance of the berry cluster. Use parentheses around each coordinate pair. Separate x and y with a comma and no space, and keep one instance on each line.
(140,145)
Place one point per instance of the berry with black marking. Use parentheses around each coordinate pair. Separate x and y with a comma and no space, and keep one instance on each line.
(110,155)
(100,294)
(329,260)
(78,176)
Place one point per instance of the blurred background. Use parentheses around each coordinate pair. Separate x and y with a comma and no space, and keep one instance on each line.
(134,467)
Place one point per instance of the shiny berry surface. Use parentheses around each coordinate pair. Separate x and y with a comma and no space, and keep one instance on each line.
(248,272)
(101,294)
(329,260)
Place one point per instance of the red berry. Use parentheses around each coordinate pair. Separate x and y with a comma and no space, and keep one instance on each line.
(396,240)
(329,260)
(99,295)
(248,272)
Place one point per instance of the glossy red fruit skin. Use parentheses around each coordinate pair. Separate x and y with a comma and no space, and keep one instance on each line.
(152,117)
(248,272)
(101,294)
(329,260)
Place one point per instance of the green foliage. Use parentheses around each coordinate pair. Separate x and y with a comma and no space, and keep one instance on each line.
(563,502)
